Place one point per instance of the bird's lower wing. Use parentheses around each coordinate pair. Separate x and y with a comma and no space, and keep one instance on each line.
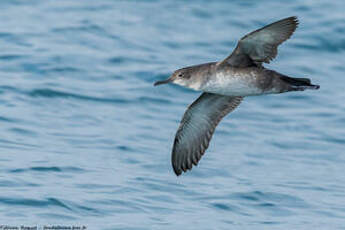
(197,127)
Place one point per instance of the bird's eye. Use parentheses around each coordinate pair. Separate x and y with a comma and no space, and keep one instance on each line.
(180,75)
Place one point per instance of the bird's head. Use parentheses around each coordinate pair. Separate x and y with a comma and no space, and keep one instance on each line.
(179,77)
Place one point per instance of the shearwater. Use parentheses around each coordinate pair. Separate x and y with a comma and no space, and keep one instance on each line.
(225,83)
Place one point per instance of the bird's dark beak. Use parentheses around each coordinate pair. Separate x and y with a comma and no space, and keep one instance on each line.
(163,82)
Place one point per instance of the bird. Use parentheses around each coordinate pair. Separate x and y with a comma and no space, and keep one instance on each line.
(225,83)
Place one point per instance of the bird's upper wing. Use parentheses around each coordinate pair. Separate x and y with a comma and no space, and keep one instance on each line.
(196,128)
(261,45)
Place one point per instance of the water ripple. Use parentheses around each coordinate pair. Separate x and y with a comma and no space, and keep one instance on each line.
(49,93)
(33,202)
(86,138)
(47,169)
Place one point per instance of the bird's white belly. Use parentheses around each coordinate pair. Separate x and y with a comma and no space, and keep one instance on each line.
(232,85)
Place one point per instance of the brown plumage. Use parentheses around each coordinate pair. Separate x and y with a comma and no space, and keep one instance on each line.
(225,83)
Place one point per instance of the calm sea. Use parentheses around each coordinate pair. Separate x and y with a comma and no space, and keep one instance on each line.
(85,138)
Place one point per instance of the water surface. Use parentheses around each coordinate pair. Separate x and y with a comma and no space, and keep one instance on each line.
(85,138)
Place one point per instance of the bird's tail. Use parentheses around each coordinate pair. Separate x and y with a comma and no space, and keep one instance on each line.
(299,84)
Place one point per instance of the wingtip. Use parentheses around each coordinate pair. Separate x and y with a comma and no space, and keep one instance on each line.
(183,168)
(179,169)
(291,19)
(178,172)
(295,19)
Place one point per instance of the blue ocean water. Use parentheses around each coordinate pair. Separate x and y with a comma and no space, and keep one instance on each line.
(85,138)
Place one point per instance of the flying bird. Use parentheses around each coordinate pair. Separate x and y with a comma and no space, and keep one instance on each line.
(224,85)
